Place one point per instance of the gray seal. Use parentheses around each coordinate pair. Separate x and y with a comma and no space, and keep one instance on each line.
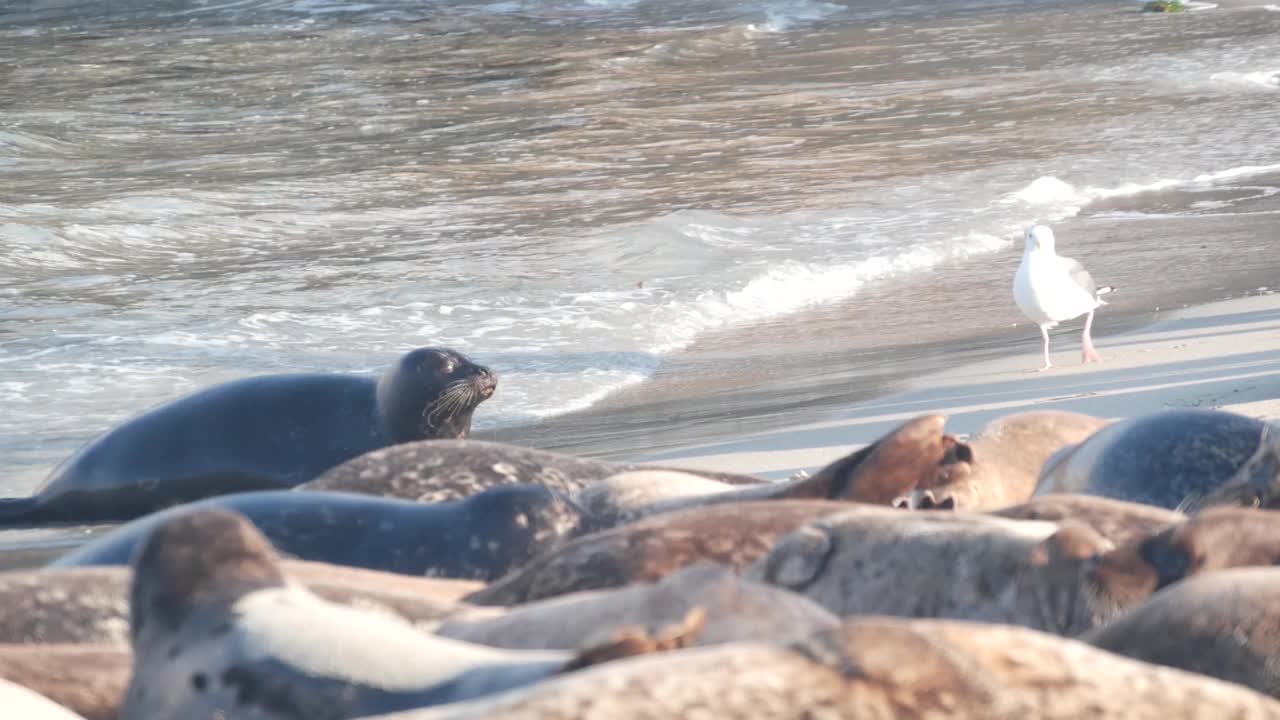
(1116,520)
(882,668)
(1220,624)
(650,549)
(737,610)
(1170,459)
(86,679)
(218,631)
(90,605)
(940,565)
(267,432)
(479,538)
(1211,540)
(448,470)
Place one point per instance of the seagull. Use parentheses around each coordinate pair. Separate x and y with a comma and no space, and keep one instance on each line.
(1049,289)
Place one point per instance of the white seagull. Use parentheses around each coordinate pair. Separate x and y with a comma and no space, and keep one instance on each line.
(1050,288)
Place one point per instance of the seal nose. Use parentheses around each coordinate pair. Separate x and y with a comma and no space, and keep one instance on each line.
(486,381)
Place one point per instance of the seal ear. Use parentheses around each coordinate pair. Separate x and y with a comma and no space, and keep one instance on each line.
(197,559)
(799,557)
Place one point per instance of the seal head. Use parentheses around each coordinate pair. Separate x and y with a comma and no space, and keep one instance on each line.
(432,393)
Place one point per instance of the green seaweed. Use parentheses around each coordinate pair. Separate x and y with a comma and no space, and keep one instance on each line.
(1166,6)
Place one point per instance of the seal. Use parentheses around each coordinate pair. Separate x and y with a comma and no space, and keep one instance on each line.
(267,432)
(914,466)
(737,610)
(480,538)
(1167,459)
(1220,624)
(443,470)
(1004,460)
(650,549)
(882,668)
(217,631)
(1116,520)
(1211,540)
(962,566)
(19,702)
(86,679)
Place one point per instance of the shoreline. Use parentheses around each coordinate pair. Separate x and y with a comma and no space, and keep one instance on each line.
(1221,355)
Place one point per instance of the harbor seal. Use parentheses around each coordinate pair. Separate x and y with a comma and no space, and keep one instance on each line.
(880,668)
(442,470)
(86,679)
(1211,540)
(1220,624)
(650,549)
(1166,459)
(217,630)
(89,605)
(267,432)
(19,702)
(737,610)
(480,538)
(940,565)
(1116,520)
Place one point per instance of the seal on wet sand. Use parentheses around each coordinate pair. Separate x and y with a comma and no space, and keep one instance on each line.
(940,565)
(87,679)
(217,630)
(480,538)
(90,605)
(1213,539)
(1168,459)
(737,610)
(650,549)
(452,469)
(878,668)
(1116,520)
(1220,624)
(267,432)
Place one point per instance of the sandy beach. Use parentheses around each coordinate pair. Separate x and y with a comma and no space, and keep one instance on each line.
(1222,355)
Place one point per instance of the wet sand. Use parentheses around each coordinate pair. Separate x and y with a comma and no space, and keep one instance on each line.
(814,365)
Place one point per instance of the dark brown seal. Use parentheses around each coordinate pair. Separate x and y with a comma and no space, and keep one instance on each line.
(650,549)
(1116,520)
(1223,624)
(963,566)
(1212,539)
(90,604)
(879,668)
(735,610)
(87,679)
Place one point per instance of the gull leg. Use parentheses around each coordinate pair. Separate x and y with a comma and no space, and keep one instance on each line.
(1086,342)
(1044,333)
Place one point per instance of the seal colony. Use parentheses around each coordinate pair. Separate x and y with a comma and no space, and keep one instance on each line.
(1050,565)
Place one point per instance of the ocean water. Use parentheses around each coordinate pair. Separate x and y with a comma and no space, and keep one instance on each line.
(570,191)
